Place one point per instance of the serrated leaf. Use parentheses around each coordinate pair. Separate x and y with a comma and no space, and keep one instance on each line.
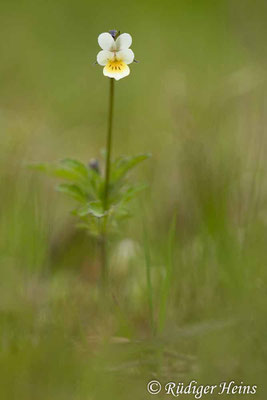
(128,194)
(94,208)
(73,191)
(122,165)
(59,171)
(122,213)
(75,166)
(125,193)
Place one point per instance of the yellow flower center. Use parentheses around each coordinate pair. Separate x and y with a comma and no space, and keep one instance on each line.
(116,65)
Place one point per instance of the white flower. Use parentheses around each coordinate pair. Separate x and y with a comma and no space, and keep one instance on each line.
(115,55)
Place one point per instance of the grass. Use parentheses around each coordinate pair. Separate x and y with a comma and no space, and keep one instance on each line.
(188,296)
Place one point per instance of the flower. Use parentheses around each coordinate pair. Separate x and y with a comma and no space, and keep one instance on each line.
(115,55)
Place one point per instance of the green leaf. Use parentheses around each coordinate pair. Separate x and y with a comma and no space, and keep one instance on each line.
(68,169)
(122,165)
(122,212)
(94,208)
(75,166)
(73,191)
(131,191)
(124,193)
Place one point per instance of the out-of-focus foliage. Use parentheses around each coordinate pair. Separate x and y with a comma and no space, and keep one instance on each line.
(197,101)
(86,185)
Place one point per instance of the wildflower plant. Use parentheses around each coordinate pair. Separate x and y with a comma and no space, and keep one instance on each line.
(102,195)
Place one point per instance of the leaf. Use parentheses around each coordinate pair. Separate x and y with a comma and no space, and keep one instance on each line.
(94,208)
(56,171)
(73,191)
(122,165)
(122,212)
(75,166)
(128,194)
(96,183)
(68,169)
(124,193)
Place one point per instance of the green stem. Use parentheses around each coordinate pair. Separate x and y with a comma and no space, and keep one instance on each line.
(109,142)
(106,188)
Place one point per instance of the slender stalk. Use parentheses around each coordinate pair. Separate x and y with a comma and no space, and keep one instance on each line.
(103,243)
(109,142)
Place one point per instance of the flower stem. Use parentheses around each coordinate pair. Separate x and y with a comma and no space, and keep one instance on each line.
(109,142)
(106,188)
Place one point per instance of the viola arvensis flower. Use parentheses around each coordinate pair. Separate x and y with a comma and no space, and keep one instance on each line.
(115,55)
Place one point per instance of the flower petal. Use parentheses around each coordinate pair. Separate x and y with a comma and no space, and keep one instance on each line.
(116,74)
(106,41)
(104,56)
(126,56)
(124,41)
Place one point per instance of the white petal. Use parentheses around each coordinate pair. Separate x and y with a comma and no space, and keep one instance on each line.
(125,55)
(104,56)
(124,41)
(106,41)
(117,74)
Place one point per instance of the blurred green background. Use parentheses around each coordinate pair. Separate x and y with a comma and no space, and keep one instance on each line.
(197,101)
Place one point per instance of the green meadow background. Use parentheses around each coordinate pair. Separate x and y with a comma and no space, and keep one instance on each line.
(197,101)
